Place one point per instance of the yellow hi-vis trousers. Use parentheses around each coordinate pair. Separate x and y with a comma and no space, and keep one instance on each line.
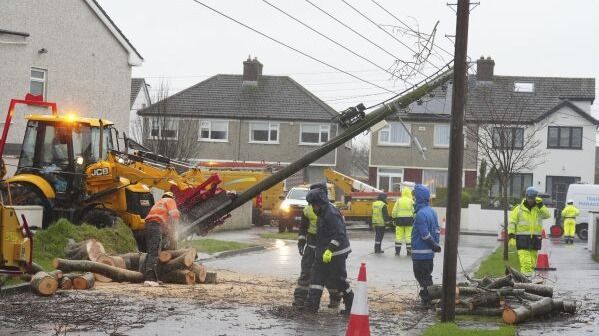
(569,228)
(403,234)
(528,261)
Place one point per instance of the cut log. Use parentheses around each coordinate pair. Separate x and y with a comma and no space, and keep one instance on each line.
(541,290)
(490,299)
(66,283)
(184,261)
(85,250)
(168,255)
(115,261)
(509,291)
(517,276)
(526,312)
(210,278)
(484,282)
(44,284)
(131,260)
(505,281)
(84,281)
(57,274)
(142,262)
(200,272)
(564,306)
(114,273)
(184,277)
(467,291)
(531,297)
(435,291)
(106,260)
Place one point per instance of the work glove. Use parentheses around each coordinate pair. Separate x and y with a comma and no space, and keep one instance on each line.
(539,202)
(436,248)
(301,244)
(512,242)
(327,256)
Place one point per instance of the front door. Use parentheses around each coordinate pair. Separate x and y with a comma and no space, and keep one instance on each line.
(557,188)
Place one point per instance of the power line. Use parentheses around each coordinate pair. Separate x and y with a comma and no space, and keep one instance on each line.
(406,25)
(288,46)
(386,32)
(328,38)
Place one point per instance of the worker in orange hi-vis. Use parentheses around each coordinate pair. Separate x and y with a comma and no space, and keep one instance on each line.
(160,231)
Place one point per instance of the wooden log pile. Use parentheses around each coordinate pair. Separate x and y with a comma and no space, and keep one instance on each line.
(47,283)
(174,266)
(513,297)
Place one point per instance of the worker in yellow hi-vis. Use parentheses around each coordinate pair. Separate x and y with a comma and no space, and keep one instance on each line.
(403,216)
(524,230)
(569,215)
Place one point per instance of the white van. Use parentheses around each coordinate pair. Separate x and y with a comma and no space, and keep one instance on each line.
(586,198)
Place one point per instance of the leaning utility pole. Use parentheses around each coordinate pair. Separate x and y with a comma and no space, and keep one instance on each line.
(456,158)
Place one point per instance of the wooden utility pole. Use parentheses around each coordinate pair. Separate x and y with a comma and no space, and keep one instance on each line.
(456,162)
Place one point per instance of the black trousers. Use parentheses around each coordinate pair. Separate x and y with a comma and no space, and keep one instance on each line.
(303,282)
(156,240)
(335,272)
(423,270)
(379,233)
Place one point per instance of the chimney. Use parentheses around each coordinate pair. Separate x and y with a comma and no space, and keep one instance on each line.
(484,69)
(252,70)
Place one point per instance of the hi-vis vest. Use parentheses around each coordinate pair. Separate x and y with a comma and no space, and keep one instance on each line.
(162,211)
(377,213)
(570,213)
(527,222)
(309,213)
(404,207)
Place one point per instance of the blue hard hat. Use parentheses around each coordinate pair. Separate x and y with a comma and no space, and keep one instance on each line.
(531,192)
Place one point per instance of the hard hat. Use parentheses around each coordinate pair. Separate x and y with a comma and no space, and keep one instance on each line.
(168,194)
(531,192)
(570,201)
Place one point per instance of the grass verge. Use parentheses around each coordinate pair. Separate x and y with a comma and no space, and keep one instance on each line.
(451,329)
(494,265)
(277,235)
(214,245)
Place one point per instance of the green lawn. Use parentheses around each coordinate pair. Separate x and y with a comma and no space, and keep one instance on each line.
(494,265)
(276,235)
(451,329)
(210,246)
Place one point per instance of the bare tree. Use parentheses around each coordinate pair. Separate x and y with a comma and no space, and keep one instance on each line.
(360,154)
(167,134)
(507,139)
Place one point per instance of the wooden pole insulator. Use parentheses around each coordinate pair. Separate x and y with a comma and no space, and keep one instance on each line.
(114,273)
(84,281)
(44,284)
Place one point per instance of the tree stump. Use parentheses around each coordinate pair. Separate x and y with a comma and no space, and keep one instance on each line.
(185,277)
(44,284)
(85,250)
(210,278)
(84,281)
(541,290)
(114,273)
(526,312)
(200,272)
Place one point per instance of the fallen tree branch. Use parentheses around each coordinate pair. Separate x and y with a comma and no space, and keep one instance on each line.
(114,273)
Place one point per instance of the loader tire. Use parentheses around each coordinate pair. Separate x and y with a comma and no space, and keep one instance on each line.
(100,218)
(28,194)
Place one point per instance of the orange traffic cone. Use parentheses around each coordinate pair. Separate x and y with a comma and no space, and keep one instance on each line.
(543,262)
(359,323)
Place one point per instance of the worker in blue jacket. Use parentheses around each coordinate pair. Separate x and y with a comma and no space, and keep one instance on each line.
(330,254)
(425,241)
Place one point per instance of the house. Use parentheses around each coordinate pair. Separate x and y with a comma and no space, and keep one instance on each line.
(558,109)
(140,98)
(69,52)
(251,118)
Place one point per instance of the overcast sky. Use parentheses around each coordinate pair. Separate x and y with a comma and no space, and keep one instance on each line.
(185,43)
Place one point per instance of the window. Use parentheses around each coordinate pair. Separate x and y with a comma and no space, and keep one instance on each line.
(394,134)
(264,132)
(214,130)
(564,137)
(524,87)
(508,137)
(163,128)
(37,82)
(516,187)
(389,179)
(434,179)
(442,135)
(314,134)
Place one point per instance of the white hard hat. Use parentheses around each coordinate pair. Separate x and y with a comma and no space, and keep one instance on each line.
(570,201)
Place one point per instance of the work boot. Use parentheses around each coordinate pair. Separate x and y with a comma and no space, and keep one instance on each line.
(409,250)
(397,250)
(348,300)
(334,302)
(299,297)
(310,307)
